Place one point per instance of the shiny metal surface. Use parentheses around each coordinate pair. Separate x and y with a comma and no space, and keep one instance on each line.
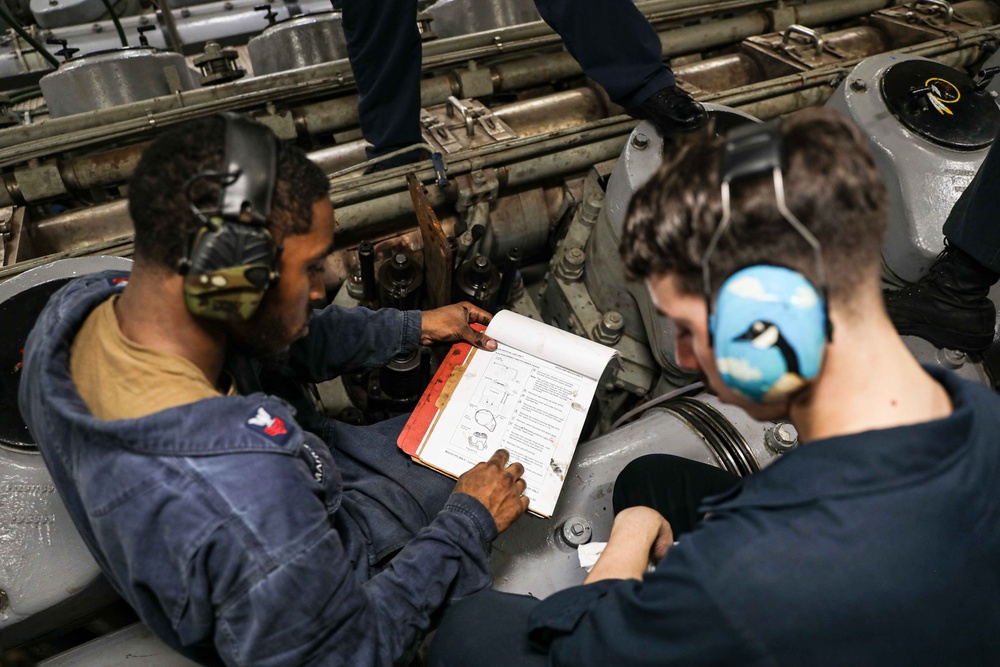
(923,178)
(59,13)
(461,17)
(112,78)
(298,42)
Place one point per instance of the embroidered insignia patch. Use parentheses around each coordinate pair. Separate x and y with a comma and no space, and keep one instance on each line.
(273,427)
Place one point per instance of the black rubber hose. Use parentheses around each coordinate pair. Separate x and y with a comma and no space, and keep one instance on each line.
(118,24)
(15,26)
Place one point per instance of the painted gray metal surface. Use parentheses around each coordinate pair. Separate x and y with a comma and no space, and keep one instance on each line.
(105,80)
(533,558)
(43,560)
(59,13)
(132,646)
(924,179)
(298,42)
(640,159)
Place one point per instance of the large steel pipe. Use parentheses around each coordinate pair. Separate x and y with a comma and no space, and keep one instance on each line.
(98,170)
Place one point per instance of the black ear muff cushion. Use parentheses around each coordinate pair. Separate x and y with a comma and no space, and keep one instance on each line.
(232,245)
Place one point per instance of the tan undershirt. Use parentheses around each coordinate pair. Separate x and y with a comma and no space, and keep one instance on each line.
(119,379)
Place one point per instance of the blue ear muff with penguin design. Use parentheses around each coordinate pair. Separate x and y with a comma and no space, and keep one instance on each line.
(769,325)
(769,332)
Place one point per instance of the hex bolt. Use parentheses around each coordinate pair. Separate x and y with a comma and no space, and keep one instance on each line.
(591,208)
(640,141)
(859,85)
(781,437)
(609,330)
(478,177)
(952,359)
(577,530)
(571,265)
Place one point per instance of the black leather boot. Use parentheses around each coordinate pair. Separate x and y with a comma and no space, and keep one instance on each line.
(672,110)
(950,306)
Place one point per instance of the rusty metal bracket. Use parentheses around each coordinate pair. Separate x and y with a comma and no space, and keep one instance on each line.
(437,250)
(481,185)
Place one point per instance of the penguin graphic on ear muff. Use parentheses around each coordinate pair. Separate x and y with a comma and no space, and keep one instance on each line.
(770,325)
(232,259)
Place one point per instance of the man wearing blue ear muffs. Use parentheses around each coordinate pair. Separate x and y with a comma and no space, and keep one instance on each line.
(877,541)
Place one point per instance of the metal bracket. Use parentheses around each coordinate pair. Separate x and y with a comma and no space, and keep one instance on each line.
(474,113)
(437,132)
(481,185)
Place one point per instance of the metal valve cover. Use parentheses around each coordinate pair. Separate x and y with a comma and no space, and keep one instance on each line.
(109,78)
(923,170)
(298,42)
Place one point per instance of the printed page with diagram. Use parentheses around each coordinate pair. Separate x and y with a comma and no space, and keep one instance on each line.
(530,397)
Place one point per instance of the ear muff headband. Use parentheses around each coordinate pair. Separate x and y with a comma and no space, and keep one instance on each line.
(770,325)
(232,260)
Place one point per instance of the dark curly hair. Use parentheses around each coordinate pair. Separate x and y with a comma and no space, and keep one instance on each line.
(831,185)
(158,198)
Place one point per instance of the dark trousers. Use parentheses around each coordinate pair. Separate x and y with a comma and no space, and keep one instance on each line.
(490,628)
(972,225)
(611,40)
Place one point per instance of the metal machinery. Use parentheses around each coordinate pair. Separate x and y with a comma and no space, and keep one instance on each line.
(524,209)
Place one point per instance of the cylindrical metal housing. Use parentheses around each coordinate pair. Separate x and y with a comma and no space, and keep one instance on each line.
(478,281)
(462,17)
(111,78)
(298,42)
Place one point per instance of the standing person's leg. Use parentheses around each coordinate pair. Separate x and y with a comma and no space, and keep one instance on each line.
(950,305)
(673,486)
(383,45)
(971,225)
(618,48)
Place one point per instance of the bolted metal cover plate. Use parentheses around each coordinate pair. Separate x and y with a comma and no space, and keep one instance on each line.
(940,104)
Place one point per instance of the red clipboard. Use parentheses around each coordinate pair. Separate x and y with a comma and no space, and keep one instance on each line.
(435,396)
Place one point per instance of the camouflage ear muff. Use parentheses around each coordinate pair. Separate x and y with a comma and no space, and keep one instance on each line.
(232,259)
(769,326)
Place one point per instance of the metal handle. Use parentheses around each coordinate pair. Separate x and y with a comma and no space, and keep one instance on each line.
(796,29)
(467,114)
(944,5)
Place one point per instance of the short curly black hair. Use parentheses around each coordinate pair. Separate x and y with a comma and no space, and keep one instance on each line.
(158,198)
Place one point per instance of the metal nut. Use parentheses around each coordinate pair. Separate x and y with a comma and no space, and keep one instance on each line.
(951,359)
(859,85)
(609,330)
(571,265)
(640,141)
(577,530)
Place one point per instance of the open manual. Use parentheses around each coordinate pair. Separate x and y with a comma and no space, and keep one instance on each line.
(530,397)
